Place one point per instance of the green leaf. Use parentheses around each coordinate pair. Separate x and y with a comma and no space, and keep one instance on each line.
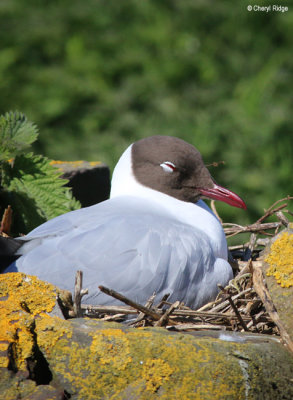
(16,134)
(35,191)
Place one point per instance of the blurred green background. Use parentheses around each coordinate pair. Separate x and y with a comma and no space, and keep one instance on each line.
(97,75)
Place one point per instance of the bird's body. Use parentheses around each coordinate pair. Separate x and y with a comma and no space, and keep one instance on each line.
(144,239)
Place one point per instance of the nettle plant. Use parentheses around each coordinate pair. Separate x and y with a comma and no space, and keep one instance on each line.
(28,182)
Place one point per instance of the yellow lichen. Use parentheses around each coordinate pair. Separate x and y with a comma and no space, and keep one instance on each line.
(75,164)
(113,346)
(156,372)
(98,360)
(280,260)
(141,364)
(22,297)
(27,293)
(50,330)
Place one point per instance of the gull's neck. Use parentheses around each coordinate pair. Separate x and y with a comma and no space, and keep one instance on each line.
(198,215)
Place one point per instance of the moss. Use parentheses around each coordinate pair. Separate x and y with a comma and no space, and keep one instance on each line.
(280,260)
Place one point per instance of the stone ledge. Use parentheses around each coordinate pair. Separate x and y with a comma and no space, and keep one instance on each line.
(90,359)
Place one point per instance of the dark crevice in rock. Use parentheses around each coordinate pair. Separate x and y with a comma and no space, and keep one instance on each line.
(67,395)
(37,365)
(39,370)
(11,356)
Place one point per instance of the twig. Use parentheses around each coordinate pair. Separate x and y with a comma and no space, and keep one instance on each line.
(164,318)
(282,218)
(186,327)
(271,209)
(115,317)
(78,294)
(142,315)
(6,220)
(91,309)
(257,227)
(203,314)
(163,301)
(262,291)
(213,207)
(226,302)
(131,303)
(235,309)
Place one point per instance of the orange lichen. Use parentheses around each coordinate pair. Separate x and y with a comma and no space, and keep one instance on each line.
(142,364)
(156,372)
(93,359)
(28,293)
(49,330)
(75,164)
(113,346)
(22,297)
(280,260)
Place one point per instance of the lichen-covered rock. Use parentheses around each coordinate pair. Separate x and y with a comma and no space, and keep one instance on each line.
(95,360)
(17,386)
(24,372)
(22,299)
(278,271)
(90,359)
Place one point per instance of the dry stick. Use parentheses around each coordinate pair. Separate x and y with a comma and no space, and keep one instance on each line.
(271,209)
(203,314)
(226,302)
(163,301)
(184,327)
(148,305)
(235,309)
(262,291)
(164,319)
(213,207)
(78,294)
(6,220)
(259,242)
(114,317)
(139,307)
(91,309)
(256,318)
(282,218)
(235,229)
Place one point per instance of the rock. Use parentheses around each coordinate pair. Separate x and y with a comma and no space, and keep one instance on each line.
(15,386)
(90,359)
(278,272)
(90,181)
(23,299)
(100,360)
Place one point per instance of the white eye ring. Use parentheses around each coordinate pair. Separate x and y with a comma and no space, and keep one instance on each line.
(168,166)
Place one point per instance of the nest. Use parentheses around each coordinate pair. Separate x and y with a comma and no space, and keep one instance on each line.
(244,305)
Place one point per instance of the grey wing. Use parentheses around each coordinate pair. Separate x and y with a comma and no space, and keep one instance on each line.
(133,253)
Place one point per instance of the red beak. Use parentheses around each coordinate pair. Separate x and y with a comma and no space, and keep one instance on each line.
(219,193)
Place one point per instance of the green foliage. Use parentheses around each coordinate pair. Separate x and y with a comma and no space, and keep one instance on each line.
(29,183)
(16,134)
(101,74)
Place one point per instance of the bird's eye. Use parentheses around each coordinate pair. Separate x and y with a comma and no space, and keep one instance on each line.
(168,166)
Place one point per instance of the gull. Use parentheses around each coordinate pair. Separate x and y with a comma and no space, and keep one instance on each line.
(154,235)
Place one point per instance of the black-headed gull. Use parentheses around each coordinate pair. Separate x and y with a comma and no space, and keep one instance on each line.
(154,234)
